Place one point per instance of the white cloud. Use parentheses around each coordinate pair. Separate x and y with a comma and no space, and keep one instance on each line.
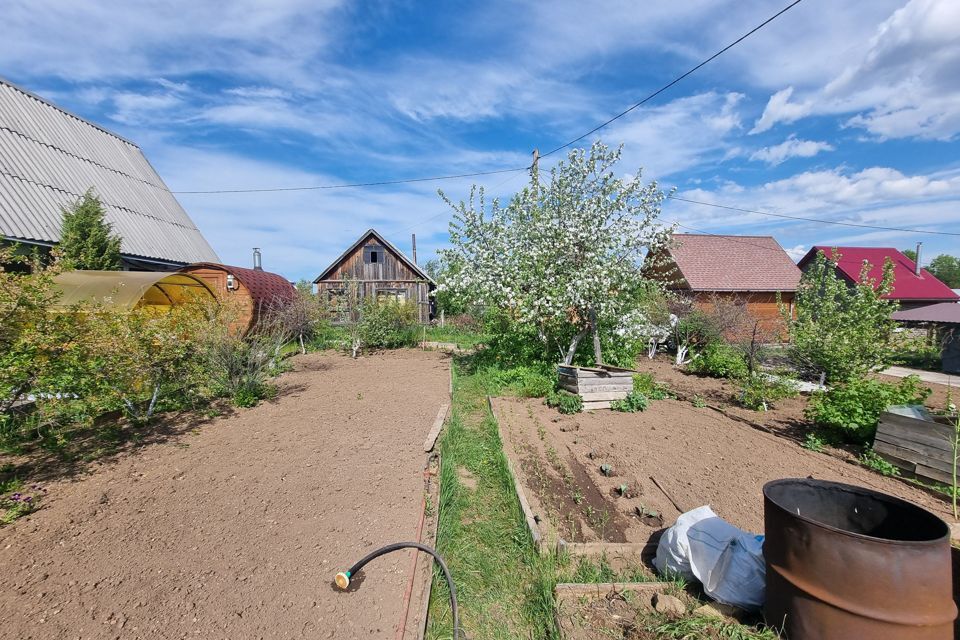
(678,135)
(905,84)
(792,147)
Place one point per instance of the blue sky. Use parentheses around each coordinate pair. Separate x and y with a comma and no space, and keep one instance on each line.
(840,111)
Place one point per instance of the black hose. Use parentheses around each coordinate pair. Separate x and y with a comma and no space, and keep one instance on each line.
(343,579)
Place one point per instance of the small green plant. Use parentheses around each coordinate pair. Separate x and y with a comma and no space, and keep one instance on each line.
(526,382)
(251,395)
(17,500)
(759,391)
(564,401)
(813,442)
(635,401)
(872,460)
(698,402)
(852,410)
(720,360)
(644,383)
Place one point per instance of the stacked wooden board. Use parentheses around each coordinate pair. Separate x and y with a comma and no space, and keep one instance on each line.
(597,386)
(920,447)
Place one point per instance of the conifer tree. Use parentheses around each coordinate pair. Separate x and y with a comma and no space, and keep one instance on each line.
(86,239)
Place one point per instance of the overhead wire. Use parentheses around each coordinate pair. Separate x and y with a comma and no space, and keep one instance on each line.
(649,97)
(677,79)
(815,220)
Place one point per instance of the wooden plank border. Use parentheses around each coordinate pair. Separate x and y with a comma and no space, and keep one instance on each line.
(521,496)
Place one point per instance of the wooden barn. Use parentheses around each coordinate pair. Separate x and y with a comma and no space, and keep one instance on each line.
(256,291)
(381,271)
(754,270)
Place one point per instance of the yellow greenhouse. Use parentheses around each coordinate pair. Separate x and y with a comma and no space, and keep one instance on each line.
(126,290)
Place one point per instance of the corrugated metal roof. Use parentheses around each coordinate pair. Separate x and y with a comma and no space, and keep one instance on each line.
(943,312)
(49,157)
(907,285)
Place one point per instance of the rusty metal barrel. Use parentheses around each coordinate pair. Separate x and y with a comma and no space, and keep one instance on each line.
(847,562)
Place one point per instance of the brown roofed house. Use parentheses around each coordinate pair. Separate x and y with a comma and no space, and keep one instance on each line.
(753,270)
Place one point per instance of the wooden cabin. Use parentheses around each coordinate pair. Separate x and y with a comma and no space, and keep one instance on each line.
(254,290)
(751,270)
(380,271)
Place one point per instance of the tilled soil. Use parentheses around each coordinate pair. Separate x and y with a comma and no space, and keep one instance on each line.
(236,529)
(696,455)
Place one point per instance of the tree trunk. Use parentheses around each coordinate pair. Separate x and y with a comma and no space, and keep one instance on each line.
(572,350)
(597,354)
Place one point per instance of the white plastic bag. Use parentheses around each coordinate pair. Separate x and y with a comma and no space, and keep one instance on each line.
(726,560)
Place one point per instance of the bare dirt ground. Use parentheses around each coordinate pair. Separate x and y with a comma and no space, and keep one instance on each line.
(697,456)
(236,529)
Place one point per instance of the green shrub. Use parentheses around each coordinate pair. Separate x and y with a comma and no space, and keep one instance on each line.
(852,410)
(842,330)
(527,382)
(635,401)
(564,401)
(759,392)
(644,383)
(719,360)
(388,325)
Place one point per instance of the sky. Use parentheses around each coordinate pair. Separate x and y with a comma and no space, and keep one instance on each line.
(842,111)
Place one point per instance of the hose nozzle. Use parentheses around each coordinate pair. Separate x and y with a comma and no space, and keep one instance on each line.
(343,580)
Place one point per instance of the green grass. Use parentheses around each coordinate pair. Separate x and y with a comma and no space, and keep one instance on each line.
(695,627)
(462,338)
(505,589)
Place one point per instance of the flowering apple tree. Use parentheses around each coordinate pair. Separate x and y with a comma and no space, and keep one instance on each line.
(565,257)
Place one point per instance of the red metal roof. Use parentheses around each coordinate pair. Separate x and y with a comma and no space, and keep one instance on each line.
(906,284)
(942,312)
(733,263)
(264,286)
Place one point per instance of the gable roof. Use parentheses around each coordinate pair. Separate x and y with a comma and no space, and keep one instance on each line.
(264,286)
(363,238)
(733,263)
(906,284)
(50,157)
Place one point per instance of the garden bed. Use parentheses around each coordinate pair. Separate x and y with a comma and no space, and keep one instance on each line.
(672,457)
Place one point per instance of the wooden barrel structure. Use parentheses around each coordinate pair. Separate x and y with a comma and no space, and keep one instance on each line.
(847,562)
(254,291)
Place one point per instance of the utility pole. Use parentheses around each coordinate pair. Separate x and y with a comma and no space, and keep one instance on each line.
(535,170)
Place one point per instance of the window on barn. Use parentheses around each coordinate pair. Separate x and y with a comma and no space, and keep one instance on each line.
(395,296)
(373,254)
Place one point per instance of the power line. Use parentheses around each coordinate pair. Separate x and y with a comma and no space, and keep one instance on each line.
(679,78)
(815,220)
(737,239)
(487,173)
(352,185)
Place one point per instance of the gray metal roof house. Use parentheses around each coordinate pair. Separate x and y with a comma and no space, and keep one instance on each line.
(50,157)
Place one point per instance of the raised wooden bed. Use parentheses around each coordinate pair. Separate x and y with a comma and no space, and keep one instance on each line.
(923,448)
(597,386)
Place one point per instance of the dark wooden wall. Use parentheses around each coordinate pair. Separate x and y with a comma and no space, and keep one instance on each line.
(388,276)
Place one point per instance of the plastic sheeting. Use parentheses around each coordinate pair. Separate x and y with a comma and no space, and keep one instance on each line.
(125,290)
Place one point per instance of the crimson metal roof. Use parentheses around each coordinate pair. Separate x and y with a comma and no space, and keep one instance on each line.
(942,312)
(50,157)
(906,284)
(733,263)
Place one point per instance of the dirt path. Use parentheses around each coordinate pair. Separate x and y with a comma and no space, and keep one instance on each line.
(237,529)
